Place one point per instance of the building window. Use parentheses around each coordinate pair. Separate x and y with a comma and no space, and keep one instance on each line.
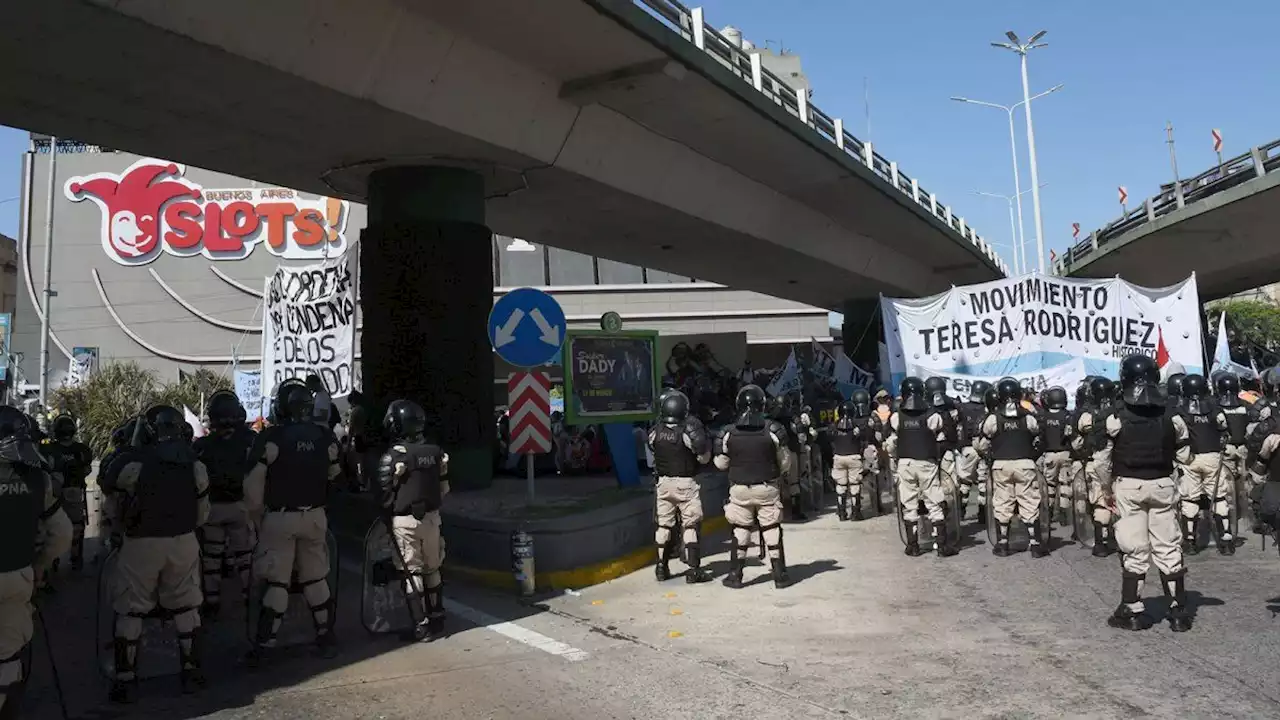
(659,277)
(570,268)
(616,273)
(520,263)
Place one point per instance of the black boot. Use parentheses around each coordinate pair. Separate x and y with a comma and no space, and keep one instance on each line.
(662,571)
(264,639)
(695,573)
(1180,614)
(942,540)
(1124,618)
(125,691)
(982,512)
(1038,549)
(435,613)
(857,507)
(734,578)
(780,577)
(1001,548)
(1063,519)
(1225,540)
(1101,540)
(191,676)
(77,551)
(842,508)
(913,540)
(1189,543)
(797,509)
(323,617)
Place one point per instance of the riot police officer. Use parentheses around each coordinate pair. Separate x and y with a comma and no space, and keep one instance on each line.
(164,490)
(72,461)
(754,451)
(1199,463)
(1014,434)
(918,437)
(294,462)
(854,431)
(228,541)
(1234,455)
(1173,388)
(971,414)
(935,389)
(679,444)
(1145,437)
(34,531)
(412,476)
(1092,428)
(1055,442)
(785,415)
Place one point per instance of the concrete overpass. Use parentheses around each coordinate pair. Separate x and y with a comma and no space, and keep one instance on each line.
(1220,224)
(626,130)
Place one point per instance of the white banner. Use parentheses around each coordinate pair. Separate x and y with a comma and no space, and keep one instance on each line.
(1023,325)
(787,379)
(1066,376)
(308,326)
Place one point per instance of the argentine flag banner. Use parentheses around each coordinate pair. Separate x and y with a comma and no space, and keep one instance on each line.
(1037,326)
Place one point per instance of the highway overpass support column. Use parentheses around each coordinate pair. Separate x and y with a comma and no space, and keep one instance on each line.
(426,271)
(861,332)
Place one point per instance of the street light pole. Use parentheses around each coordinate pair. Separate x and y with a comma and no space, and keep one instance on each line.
(49,293)
(1017,241)
(1022,48)
(1013,147)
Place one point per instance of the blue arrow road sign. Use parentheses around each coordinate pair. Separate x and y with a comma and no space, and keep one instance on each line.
(526,327)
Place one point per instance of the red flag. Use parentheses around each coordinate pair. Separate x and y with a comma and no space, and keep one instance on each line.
(1162,352)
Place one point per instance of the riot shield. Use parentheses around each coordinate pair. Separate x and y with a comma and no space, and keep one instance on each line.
(157,648)
(870,488)
(384,606)
(1242,509)
(1080,511)
(990,519)
(819,476)
(924,528)
(1048,501)
(955,513)
(297,627)
(902,523)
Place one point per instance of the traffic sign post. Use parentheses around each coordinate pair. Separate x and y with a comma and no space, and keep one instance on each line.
(1075,230)
(526,327)
(1217,148)
(1124,198)
(529,402)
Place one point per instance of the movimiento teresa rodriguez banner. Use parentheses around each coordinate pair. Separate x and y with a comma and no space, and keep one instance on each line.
(1017,326)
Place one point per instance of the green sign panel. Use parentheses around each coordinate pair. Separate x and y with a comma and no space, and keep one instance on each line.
(610,376)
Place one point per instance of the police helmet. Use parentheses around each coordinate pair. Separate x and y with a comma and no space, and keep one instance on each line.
(13,423)
(1082,395)
(167,423)
(935,389)
(404,419)
(913,394)
(750,406)
(1195,394)
(1174,385)
(991,399)
(1227,387)
(847,410)
(1101,391)
(1140,381)
(978,390)
(1055,398)
(294,401)
(674,407)
(1010,392)
(225,410)
(64,428)
(860,399)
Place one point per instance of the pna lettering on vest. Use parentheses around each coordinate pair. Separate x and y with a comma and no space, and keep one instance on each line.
(14,488)
(306,446)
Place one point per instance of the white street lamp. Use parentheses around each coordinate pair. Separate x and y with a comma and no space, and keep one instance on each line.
(1022,48)
(1013,148)
(1017,242)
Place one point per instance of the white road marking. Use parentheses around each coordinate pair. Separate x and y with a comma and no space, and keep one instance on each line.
(505,628)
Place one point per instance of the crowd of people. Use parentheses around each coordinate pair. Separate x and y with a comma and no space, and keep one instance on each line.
(1137,467)
(182,514)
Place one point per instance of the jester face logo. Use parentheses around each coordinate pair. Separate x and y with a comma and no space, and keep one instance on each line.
(131,205)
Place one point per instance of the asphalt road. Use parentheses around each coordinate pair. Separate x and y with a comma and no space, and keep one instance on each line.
(866,632)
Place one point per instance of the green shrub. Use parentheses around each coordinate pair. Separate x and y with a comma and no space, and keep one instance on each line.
(119,390)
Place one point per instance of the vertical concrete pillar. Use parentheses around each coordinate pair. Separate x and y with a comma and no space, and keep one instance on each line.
(861,331)
(426,270)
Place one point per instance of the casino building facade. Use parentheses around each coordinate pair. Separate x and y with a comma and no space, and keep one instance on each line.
(164,264)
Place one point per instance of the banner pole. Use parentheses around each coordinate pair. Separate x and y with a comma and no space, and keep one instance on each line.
(355,316)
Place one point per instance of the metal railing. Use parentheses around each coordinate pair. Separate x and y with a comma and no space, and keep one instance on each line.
(1174,196)
(747,65)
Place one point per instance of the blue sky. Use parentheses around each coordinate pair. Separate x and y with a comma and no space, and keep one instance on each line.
(1128,67)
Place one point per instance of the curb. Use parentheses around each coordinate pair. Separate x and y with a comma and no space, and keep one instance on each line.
(580,577)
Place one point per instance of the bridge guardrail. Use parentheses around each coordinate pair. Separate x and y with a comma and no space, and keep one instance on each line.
(1173,196)
(690,24)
